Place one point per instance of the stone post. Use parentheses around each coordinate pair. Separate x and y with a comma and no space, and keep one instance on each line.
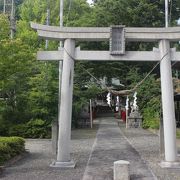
(161,138)
(121,170)
(168,103)
(64,137)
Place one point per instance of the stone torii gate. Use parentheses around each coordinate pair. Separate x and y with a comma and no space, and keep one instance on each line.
(69,53)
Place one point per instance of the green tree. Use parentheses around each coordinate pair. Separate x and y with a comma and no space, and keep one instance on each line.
(143,13)
(31,11)
(16,62)
(29,89)
(43,93)
(4,27)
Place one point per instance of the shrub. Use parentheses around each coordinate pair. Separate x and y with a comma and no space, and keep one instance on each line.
(10,147)
(3,129)
(18,130)
(151,122)
(76,111)
(4,153)
(35,128)
(38,128)
(3,123)
(151,117)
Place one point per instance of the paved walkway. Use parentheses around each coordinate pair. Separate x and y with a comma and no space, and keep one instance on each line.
(111,145)
(95,154)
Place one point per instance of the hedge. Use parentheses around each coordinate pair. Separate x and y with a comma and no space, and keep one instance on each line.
(10,147)
(35,128)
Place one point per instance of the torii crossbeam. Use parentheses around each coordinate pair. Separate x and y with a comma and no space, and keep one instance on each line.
(69,53)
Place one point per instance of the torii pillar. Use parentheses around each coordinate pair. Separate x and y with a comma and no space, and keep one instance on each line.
(167,93)
(64,136)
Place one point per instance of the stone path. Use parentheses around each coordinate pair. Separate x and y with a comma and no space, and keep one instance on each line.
(110,146)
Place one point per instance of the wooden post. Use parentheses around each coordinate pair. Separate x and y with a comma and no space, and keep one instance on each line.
(126,118)
(54,137)
(127,108)
(91,118)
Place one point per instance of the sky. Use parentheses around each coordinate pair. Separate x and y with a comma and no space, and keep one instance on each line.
(89,1)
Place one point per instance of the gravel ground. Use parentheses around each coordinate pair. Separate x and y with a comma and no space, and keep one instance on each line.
(147,145)
(35,165)
(143,148)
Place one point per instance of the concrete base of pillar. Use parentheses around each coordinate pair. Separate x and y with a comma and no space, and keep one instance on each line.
(58,164)
(172,165)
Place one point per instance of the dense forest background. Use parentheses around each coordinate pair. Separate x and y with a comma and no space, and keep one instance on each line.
(29,89)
